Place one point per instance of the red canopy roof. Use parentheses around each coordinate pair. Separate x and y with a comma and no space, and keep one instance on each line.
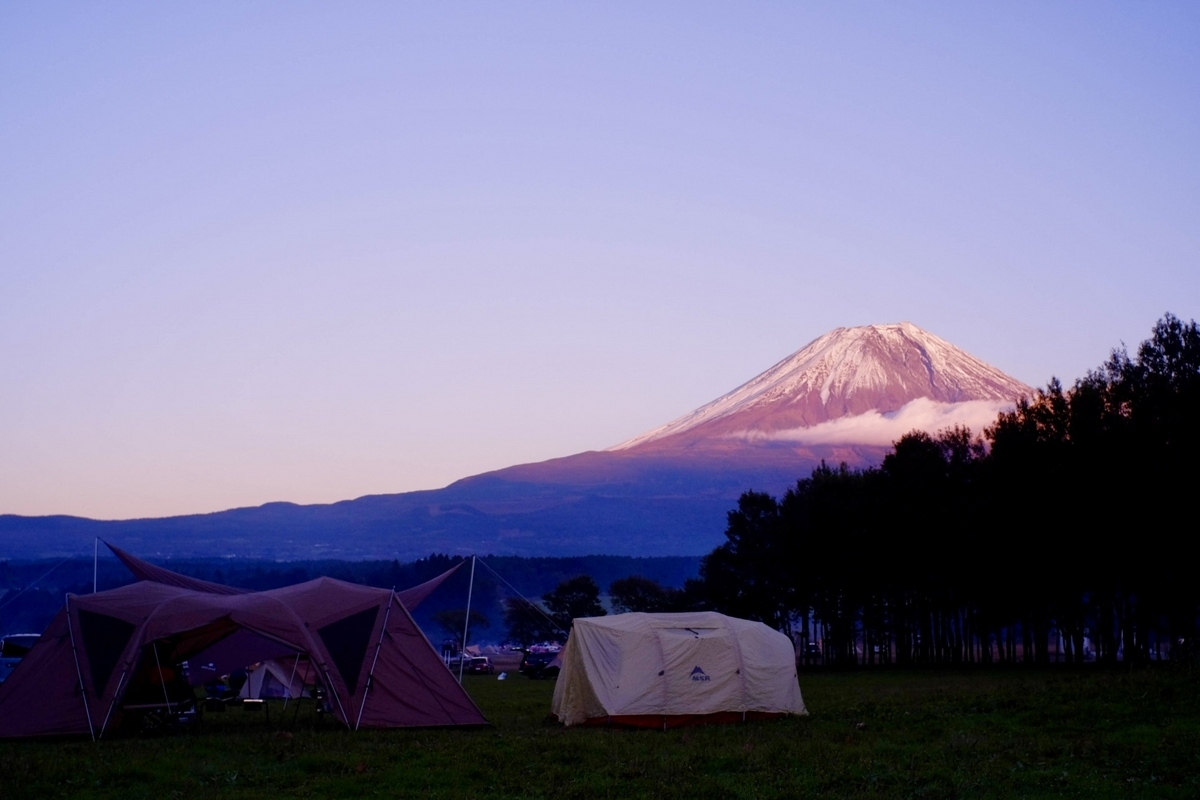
(145,571)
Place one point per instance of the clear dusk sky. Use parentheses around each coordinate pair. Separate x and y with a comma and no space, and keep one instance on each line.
(287,251)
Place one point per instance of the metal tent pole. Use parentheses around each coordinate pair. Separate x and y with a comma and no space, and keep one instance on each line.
(161,679)
(78,671)
(95,561)
(292,682)
(375,660)
(112,705)
(333,691)
(466,622)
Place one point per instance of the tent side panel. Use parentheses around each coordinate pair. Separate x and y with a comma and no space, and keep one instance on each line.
(770,669)
(601,652)
(411,686)
(575,700)
(42,696)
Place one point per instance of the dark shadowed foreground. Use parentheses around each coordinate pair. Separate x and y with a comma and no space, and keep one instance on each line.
(996,733)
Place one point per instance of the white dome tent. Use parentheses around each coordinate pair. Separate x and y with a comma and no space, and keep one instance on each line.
(666,670)
(274,678)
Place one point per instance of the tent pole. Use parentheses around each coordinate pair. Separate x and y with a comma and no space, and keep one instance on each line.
(116,694)
(78,671)
(333,691)
(462,653)
(292,682)
(375,660)
(95,561)
(161,679)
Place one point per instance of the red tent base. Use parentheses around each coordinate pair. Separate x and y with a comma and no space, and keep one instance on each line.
(663,722)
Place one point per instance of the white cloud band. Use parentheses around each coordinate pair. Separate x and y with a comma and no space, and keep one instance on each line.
(874,428)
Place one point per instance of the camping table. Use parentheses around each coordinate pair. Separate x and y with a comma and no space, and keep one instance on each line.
(163,715)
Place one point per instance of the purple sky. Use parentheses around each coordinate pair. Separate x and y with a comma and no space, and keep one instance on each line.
(257,251)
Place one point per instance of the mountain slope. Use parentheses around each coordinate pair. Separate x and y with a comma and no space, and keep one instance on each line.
(842,398)
(845,373)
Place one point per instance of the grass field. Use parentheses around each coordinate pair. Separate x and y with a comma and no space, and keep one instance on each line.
(881,734)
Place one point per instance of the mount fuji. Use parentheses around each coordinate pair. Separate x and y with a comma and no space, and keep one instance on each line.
(845,397)
(879,371)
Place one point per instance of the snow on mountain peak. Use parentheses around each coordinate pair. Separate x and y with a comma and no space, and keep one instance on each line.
(845,373)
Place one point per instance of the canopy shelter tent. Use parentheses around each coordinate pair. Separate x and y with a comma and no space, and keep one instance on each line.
(667,670)
(145,571)
(376,667)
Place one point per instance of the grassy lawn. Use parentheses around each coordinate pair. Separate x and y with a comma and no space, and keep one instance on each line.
(918,734)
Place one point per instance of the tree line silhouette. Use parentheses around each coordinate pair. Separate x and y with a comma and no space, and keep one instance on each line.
(1063,534)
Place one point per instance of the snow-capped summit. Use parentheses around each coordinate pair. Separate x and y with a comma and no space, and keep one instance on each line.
(852,385)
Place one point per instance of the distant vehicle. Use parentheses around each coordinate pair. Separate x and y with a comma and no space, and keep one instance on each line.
(537,665)
(12,649)
(480,665)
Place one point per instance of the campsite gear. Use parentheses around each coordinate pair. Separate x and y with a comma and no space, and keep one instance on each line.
(666,670)
(374,664)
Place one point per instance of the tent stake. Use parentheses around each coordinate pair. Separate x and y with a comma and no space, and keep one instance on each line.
(78,671)
(462,653)
(375,660)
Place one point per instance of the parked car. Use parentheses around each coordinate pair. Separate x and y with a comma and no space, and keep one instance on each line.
(12,649)
(480,665)
(537,665)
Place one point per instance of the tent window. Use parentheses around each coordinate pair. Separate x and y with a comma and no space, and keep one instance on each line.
(104,639)
(347,640)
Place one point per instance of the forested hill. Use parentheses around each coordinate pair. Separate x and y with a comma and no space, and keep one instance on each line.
(587,503)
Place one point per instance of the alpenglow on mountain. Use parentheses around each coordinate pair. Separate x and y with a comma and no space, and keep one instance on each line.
(844,398)
(895,372)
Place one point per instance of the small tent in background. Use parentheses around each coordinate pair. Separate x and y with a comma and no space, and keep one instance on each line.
(280,678)
(666,670)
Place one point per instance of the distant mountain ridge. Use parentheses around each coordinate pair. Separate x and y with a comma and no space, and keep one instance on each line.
(842,398)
